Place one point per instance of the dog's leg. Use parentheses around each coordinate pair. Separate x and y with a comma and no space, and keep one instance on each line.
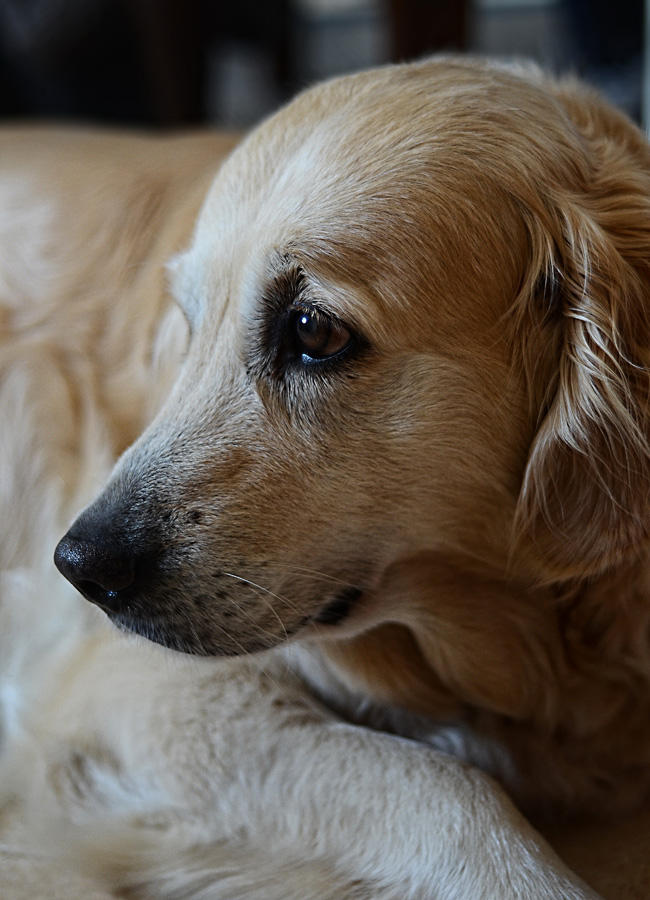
(394,818)
(398,815)
(238,775)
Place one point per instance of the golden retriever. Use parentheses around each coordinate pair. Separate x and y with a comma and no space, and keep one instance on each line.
(388,471)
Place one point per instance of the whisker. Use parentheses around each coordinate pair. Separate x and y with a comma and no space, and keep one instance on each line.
(282,626)
(243,650)
(306,572)
(278,596)
(260,587)
(264,668)
(285,600)
(251,618)
(193,629)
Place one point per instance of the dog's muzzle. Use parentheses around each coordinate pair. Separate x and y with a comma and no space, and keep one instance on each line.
(128,555)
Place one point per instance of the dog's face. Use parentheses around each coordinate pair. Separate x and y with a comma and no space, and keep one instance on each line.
(355,393)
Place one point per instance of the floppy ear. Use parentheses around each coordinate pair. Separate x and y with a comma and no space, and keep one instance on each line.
(585,499)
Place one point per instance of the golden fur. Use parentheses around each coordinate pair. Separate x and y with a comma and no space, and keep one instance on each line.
(475,470)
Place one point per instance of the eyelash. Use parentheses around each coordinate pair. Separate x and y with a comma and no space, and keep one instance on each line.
(276,355)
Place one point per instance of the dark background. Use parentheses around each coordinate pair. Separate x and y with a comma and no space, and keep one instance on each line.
(180,63)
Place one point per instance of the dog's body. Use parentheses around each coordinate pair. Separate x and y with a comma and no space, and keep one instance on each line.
(404,459)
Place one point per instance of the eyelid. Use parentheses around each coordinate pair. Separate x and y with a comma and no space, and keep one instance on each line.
(319,312)
(273,351)
(317,309)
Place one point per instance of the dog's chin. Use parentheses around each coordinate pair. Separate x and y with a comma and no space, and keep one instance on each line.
(215,640)
(190,642)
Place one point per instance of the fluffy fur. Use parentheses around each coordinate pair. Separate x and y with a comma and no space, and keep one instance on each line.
(434,545)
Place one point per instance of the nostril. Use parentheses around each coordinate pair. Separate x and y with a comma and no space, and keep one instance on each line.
(97,570)
(109,601)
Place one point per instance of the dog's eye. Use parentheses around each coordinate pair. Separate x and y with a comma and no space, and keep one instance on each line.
(317,336)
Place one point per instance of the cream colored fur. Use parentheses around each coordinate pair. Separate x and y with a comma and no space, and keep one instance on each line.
(476,468)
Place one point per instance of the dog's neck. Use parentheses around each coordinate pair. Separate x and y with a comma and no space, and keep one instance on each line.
(562,675)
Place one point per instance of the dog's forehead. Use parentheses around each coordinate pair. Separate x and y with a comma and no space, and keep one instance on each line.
(383,177)
(302,187)
(295,180)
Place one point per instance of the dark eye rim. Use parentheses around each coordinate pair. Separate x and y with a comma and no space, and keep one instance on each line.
(280,358)
(272,354)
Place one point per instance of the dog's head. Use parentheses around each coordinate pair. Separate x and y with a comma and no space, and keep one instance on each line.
(417,300)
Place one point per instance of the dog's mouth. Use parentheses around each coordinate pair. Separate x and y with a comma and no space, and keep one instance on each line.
(337,610)
(198,610)
(223,634)
(228,616)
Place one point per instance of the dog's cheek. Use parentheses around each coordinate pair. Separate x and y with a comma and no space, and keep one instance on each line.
(257,518)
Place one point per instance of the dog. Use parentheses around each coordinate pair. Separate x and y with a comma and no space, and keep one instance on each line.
(382,476)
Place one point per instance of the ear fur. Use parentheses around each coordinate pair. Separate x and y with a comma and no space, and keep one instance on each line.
(585,500)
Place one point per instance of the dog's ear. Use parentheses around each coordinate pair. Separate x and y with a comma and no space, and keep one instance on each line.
(585,499)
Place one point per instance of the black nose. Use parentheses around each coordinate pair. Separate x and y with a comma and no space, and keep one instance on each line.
(103,574)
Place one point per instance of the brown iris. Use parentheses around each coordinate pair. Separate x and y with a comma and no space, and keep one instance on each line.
(318,336)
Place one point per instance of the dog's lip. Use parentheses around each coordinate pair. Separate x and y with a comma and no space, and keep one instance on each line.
(338,609)
(127,609)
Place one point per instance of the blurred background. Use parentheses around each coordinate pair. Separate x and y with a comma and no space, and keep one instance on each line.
(184,63)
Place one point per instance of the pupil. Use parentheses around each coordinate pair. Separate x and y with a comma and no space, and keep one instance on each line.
(313,332)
